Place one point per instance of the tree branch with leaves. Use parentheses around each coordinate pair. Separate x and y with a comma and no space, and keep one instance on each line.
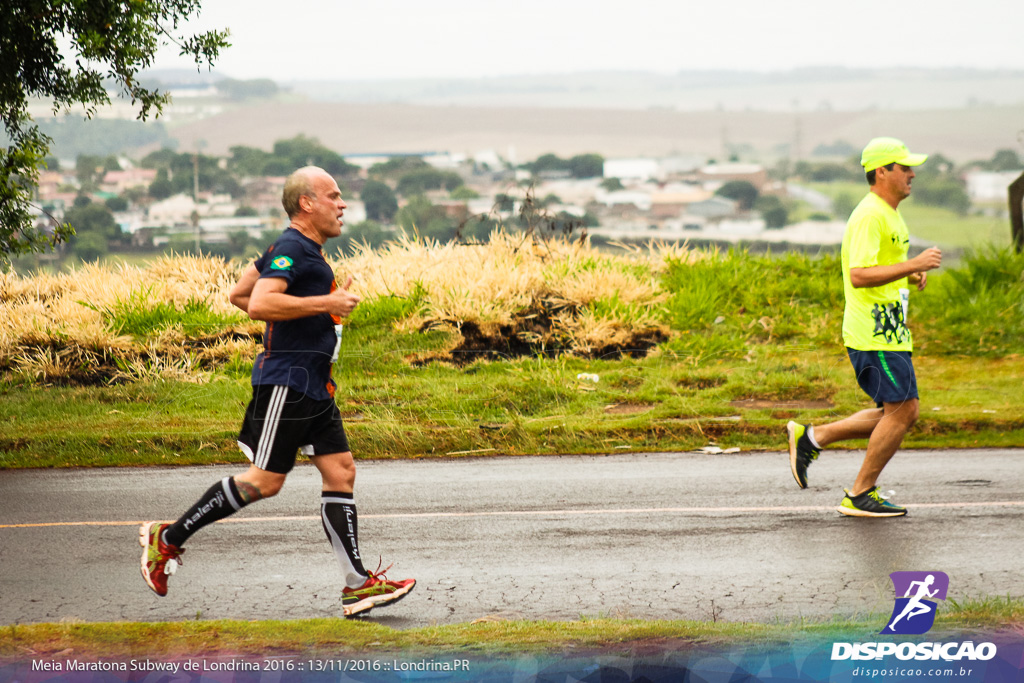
(69,51)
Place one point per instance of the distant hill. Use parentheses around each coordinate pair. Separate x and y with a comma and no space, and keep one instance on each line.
(809,89)
(965,114)
(179,77)
(520,133)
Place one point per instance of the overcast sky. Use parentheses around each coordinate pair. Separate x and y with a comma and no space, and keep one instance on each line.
(392,39)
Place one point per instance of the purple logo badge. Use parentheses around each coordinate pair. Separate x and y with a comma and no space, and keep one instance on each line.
(916,592)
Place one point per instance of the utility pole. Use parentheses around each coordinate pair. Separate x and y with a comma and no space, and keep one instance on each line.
(195,198)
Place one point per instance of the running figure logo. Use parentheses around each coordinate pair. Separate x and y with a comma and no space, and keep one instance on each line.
(890,323)
(913,612)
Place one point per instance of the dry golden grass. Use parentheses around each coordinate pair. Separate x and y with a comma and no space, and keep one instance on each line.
(489,285)
(53,326)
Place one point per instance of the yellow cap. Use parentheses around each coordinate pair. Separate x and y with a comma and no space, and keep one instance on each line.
(884,151)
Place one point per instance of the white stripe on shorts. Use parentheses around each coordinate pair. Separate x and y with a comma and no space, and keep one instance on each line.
(271,420)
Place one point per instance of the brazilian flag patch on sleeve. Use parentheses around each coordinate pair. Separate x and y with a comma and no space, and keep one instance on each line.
(281,263)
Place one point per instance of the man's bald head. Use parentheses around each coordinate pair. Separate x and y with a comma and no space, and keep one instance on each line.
(300,184)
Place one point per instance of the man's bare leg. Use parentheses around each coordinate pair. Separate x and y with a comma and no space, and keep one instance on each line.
(860,425)
(885,440)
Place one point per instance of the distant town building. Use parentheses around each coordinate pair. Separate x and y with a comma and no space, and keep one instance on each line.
(57,202)
(50,183)
(117,182)
(555,174)
(264,194)
(489,158)
(445,160)
(671,200)
(680,165)
(209,230)
(355,213)
(573,210)
(570,191)
(633,169)
(179,209)
(455,209)
(713,208)
(685,222)
(641,200)
(366,161)
(714,176)
(987,186)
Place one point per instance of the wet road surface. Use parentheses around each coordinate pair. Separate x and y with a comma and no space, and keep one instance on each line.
(650,536)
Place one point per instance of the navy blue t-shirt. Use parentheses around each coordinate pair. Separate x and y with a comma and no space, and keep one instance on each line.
(297,353)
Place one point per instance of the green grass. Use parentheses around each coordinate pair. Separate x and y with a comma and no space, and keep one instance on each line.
(721,313)
(946,229)
(145,423)
(978,307)
(485,639)
(386,309)
(525,406)
(143,314)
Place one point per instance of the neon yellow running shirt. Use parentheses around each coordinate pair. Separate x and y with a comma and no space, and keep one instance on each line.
(875,317)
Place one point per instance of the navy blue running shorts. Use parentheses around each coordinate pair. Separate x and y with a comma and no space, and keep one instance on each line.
(279,422)
(885,376)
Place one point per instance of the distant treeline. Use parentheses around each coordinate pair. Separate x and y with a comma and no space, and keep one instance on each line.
(74,135)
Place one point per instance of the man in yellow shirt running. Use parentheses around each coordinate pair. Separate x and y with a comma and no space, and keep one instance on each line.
(876,279)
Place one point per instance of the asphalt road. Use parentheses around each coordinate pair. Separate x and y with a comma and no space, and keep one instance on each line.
(651,536)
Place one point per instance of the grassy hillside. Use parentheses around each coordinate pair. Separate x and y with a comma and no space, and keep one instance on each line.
(482,350)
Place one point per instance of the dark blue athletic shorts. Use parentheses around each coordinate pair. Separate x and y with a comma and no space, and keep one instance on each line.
(281,422)
(885,376)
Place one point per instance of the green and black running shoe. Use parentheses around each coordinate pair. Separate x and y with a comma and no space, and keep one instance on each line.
(871,503)
(801,452)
